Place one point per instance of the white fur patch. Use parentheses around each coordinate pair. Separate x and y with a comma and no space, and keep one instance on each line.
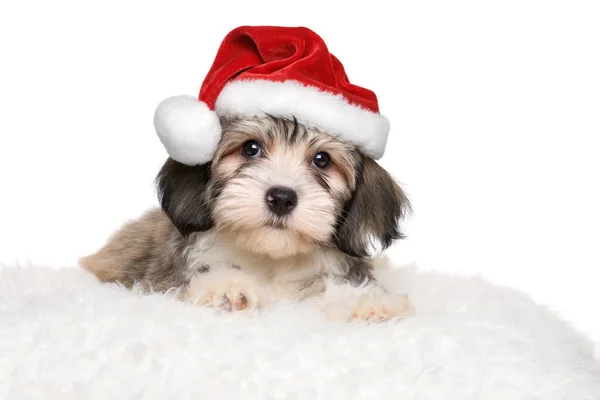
(312,107)
(65,335)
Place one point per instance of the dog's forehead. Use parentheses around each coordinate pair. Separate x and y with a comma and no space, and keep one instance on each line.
(286,134)
(303,139)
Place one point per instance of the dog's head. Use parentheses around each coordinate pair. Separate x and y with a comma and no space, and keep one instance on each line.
(281,188)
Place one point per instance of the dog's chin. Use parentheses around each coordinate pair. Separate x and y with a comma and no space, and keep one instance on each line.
(274,241)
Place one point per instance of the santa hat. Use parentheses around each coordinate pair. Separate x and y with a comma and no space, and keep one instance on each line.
(281,71)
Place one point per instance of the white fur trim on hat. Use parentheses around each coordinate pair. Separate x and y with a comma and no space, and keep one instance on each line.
(311,106)
(188,129)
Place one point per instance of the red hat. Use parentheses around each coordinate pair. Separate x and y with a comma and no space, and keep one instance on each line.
(281,71)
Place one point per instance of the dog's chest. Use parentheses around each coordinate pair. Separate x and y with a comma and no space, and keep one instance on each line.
(291,277)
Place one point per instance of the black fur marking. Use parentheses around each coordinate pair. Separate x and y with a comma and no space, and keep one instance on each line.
(341,242)
(203,268)
(185,195)
(215,189)
(358,271)
(322,180)
(294,136)
(310,281)
(373,213)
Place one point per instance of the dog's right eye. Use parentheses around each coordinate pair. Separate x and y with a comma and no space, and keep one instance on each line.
(251,149)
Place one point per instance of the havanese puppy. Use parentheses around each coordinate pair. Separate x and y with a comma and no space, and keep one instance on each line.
(271,191)
(280,212)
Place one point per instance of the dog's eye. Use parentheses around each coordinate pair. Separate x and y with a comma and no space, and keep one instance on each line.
(251,149)
(321,160)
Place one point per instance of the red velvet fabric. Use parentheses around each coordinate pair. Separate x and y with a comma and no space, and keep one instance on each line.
(280,54)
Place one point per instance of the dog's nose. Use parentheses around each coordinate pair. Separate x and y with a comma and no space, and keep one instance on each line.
(281,200)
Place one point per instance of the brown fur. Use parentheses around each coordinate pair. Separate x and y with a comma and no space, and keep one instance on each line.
(148,250)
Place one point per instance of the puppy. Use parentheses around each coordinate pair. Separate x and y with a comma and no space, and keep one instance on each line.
(283,212)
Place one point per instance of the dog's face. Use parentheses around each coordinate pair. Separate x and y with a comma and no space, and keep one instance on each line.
(283,185)
(279,188)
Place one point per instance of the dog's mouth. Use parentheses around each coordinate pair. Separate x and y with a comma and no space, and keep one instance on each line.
(271,222)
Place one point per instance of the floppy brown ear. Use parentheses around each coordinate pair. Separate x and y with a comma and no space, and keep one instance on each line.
(185,194)
(373,214)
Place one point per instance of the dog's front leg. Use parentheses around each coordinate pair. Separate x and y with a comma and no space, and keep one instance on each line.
(347,299)
(225,287)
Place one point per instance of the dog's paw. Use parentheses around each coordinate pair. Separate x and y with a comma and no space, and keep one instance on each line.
(371,306)
(232,298)
(229,291)
(381,307)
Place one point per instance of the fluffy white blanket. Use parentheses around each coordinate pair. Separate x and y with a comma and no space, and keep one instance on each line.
(64,335)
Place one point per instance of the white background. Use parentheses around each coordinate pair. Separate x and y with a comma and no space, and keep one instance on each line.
(495,111)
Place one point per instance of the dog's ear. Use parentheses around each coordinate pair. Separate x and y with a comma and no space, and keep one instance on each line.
(373,214)
(185,195)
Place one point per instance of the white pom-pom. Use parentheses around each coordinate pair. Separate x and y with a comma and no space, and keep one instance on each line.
(188,129)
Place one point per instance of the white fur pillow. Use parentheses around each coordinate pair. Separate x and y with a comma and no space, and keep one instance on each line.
(64,335)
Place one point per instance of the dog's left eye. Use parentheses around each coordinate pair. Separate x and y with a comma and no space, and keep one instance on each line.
(251,149)
(321,160)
